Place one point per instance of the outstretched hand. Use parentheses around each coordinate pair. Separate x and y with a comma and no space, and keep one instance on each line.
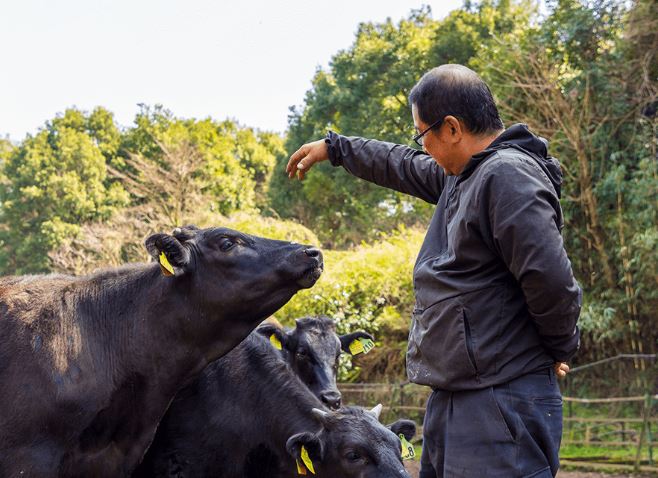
(561,369)
(305,157)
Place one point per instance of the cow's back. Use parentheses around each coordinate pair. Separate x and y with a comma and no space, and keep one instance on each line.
(32,350)
(57,351)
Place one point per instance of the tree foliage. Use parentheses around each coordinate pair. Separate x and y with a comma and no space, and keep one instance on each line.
(81,174)
(53,182)
(237,162)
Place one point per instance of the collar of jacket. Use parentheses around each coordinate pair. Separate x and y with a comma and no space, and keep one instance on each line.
(519,137)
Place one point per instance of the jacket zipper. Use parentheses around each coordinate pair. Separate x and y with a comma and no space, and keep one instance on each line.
(469,346)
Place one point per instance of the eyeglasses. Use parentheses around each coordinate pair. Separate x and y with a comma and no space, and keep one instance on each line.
(418,139)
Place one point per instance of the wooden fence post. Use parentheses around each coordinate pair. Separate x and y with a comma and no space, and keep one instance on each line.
(646,413)
(649,434)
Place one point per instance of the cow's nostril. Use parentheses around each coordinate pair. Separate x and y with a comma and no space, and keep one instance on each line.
(331,399)
(312,252)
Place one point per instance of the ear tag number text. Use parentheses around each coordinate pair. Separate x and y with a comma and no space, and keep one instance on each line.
(361,346)
(408,451)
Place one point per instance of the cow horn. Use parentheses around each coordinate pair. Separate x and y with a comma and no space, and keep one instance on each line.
(320,414)
(377,410)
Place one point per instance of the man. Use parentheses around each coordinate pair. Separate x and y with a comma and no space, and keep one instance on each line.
(496,300)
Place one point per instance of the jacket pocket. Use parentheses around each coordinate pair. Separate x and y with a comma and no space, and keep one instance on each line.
(470,343)
(438,353)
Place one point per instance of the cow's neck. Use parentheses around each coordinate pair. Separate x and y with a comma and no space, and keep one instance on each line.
(132,307)
(134,321)
(276,380)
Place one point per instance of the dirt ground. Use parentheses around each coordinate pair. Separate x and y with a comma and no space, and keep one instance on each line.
(413,467)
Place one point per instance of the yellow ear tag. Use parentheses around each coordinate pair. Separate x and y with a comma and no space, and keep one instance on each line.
(166,267)
(300,468)
(408,451)
(276,343)
(307,460)
(361,346)
(368,345)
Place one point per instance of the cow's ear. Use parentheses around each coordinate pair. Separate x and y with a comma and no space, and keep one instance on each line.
(405,427)
(169,252)
(307,449)
(275,335)
(346,340)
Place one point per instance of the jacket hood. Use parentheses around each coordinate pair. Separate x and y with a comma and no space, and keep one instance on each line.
(519,137)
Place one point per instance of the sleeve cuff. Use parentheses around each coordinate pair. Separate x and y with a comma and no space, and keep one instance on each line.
(562,349)
(331,140)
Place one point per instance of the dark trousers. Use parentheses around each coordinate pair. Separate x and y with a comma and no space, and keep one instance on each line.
(512,430)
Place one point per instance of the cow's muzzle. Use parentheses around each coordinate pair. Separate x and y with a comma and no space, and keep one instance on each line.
(312,273)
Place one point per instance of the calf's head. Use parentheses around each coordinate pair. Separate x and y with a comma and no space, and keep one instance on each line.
(353,444)
(312,349)
(228,275)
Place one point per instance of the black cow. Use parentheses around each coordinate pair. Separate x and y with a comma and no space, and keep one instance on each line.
(248,415)
(88,365)
(312,350)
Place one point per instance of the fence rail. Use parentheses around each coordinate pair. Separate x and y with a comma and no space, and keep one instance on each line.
(614,359)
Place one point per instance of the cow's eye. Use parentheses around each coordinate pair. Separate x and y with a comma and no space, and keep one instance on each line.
(301,354)
(225,243)
(353,456)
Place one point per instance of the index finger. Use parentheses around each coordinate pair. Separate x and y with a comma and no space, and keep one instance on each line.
(296,157)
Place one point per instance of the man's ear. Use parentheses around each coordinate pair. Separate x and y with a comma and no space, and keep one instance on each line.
(347,339)
(312,445)
(169,252)
(276,335)
(453,125)
(406,427)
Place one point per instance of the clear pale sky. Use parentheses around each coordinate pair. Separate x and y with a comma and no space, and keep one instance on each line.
(246,60)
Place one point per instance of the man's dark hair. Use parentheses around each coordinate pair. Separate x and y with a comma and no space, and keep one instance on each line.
(458,91)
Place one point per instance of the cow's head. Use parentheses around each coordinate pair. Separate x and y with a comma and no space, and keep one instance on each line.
(235,276)
(353,444)
(312,349)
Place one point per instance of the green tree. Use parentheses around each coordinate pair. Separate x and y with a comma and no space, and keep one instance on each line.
(236,162)
(52,183)
(5,149)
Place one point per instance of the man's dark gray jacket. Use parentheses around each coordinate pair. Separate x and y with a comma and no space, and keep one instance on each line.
(495,293)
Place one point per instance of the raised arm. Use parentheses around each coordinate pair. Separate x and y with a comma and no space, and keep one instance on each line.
(390,165)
